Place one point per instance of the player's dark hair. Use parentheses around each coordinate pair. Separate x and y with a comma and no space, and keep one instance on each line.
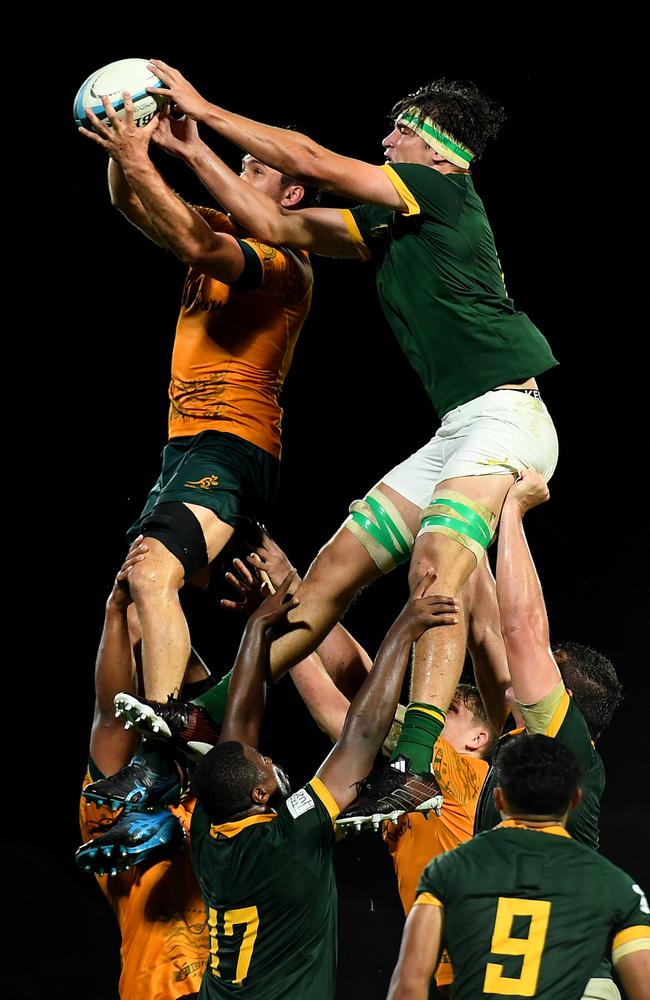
(470,697)
(459,108)
(592,679)
(538,775)
(223,781)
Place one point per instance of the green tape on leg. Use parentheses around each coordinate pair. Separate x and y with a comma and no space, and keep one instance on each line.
(383,530)
(457,526)
(480,530)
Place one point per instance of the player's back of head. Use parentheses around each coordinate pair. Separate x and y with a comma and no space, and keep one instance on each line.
(593,683)
(538,775)
(223,781)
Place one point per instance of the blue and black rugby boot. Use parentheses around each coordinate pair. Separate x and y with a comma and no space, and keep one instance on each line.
(137,785)
(134,839)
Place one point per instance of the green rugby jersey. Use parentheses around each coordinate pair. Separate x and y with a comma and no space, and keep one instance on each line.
(569,726)
(441,288)
(270,895)
(529,913)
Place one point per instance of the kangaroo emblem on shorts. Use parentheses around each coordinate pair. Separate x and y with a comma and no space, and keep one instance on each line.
(204,484)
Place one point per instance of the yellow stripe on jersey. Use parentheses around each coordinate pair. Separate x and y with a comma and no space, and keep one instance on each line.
(629,940)
(428,899)
(412,206)
(326,797)
(355,233)
(235,827)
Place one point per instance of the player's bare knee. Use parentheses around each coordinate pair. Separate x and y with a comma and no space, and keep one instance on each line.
(155,577)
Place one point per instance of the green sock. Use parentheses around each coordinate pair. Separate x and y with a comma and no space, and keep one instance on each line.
(214,700)
(422,727)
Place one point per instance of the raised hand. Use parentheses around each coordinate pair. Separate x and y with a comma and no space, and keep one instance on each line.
(424,612)
(275,606)
(248,585)
(177,136)
(186,97)
(120,594)
(123,140)
(529,491)
(268,558)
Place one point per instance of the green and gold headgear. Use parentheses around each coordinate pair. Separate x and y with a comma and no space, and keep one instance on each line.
(436,137)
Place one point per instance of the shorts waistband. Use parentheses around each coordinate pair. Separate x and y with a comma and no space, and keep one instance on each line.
(535,393)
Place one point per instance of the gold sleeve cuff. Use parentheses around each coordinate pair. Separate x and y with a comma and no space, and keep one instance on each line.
(355,233)
(412,206)
(326,797)
(630,940)
(428,899)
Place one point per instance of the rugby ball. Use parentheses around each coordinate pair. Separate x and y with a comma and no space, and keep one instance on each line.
(111,81)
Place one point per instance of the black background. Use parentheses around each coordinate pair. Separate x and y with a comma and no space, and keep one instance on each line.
(353,408)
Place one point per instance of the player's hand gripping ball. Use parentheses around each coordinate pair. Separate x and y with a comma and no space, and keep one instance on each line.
(111,81)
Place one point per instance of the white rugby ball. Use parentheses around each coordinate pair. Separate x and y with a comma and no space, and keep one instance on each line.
(111,81)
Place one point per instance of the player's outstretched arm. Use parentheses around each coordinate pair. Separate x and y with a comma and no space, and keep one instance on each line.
(178,226)
(634,972)
(247,692)
(524,621)
(328,706)
(290,152)
(373,708)
(486,645)
(344,659)
(110,745)
(126,201)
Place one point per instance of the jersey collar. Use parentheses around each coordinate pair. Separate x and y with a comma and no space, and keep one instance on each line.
(557,830)
(229,830)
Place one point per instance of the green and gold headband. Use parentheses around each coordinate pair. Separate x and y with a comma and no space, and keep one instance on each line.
(442,142)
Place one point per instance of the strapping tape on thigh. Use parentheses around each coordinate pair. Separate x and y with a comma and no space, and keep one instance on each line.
(376,522)
(469,523)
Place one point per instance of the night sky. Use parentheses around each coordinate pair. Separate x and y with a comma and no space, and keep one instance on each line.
(353,408)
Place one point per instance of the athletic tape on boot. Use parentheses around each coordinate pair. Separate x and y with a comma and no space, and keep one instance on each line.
(376,522)
(469,523)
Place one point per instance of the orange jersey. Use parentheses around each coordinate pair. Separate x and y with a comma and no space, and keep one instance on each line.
(413,841)
(233,349)
(161,916)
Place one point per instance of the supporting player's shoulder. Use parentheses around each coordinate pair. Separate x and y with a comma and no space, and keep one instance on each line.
(460,776)
(428,192)
(306,820)
(286,274)
(218,221)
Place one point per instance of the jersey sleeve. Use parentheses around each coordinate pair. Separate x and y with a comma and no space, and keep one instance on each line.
(557,715)
(368,227)
(307,821)
(632,930)
(282,273)
(426,192)
(457,774)
(217,221)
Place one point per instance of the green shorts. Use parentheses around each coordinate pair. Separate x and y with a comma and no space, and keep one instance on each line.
(223,472)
